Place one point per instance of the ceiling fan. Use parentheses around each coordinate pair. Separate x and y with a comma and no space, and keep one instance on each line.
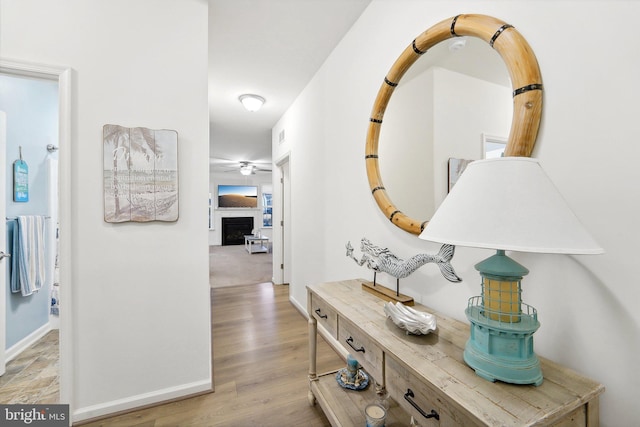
(244,166)
(248,168)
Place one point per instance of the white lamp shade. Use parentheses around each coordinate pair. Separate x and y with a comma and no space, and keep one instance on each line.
(510,204)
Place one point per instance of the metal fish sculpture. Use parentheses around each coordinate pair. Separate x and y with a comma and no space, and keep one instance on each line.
(381,259)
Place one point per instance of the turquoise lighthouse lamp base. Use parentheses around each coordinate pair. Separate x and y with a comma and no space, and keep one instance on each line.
(502,352)
(500,346)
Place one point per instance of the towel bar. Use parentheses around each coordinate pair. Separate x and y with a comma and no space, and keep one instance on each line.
(15,217)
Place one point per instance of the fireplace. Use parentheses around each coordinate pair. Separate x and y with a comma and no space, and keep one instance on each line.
(235,228)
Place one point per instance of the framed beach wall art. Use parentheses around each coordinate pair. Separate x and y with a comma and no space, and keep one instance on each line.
(140,174)
(237,196)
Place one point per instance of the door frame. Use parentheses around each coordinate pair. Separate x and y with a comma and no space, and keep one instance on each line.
(282,222)
(3,248)
(63,75)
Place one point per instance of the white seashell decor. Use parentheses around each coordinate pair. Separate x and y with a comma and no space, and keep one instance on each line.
(409,319)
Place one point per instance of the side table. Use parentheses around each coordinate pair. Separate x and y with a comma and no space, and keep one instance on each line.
(254,244)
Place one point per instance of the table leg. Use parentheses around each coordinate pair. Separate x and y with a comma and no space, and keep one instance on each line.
(313,340)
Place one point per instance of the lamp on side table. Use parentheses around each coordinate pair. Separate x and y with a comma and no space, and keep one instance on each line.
(506,204)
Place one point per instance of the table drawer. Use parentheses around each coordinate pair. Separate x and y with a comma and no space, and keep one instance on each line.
(358,343)
(325,315)
(414,396)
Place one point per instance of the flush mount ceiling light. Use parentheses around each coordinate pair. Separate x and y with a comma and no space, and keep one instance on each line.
(457,44)
(251,102)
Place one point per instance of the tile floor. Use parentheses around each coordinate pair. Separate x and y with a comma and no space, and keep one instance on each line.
(32,377)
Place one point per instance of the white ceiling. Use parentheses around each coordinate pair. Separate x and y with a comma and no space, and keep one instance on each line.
(271,48)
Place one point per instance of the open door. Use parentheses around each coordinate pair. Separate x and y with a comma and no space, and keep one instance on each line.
(4,257)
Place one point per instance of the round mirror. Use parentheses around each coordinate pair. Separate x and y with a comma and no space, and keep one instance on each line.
(416,146)
(445,103)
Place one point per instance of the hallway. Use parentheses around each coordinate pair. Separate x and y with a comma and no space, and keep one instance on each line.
(260,353)
(260,356)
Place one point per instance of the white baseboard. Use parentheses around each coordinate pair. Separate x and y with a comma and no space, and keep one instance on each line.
(54,321)
(141,400)
(298,307)
(25,342)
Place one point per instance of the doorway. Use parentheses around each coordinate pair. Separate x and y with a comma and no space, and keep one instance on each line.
(31,107)
(60,77)
(282,238)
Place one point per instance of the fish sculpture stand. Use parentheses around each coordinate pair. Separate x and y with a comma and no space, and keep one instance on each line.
(383,260)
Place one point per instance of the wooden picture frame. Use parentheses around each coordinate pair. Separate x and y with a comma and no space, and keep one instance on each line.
(140,174)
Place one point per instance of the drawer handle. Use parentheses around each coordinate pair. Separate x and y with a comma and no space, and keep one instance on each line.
(322,316)
(350,342)
(408,397)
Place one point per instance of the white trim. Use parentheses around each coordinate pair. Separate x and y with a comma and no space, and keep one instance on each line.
(30,69)
(3,235)
(491,139)
(64,77)
(284,158)
(298,307)
(277,212)
(66,253)
(141,400)
(15,350)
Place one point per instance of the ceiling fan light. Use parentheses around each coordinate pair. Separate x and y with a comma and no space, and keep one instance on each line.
(246,170)
(251,102)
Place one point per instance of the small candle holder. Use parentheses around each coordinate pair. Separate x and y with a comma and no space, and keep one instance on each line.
(382,397)
(375,414)
(352,367)
(351,376)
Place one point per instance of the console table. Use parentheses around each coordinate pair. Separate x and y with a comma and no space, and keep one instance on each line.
(425,375)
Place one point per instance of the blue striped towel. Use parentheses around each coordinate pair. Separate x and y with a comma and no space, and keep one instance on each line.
(28,244)
(12,266)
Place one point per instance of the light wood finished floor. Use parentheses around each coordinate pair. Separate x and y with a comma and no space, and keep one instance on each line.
(260,359)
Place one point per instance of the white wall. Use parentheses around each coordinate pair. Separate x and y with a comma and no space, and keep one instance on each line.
(140,307)
(464,108)
(408,128)
(587,144)
(307,161)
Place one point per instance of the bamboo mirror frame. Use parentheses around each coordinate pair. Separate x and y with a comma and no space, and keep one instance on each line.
(526,82)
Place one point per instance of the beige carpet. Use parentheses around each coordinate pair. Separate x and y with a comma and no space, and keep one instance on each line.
(233,265)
